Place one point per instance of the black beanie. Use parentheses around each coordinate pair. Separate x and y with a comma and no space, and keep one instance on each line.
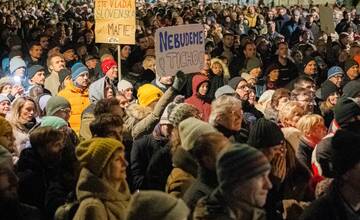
(346,151)
(351,89)
(63,73)
(265,134)
(350,63)
(345,109)
(328,88)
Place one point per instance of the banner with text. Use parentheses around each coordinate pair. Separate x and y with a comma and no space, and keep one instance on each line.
(179,48)
(327,19)
(115,21)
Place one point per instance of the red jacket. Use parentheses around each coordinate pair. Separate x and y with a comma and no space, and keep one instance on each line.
(199,102)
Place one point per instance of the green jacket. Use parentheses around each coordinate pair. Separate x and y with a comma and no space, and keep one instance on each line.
(98,200)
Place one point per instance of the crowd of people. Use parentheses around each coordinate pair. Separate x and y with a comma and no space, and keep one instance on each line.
(268,129)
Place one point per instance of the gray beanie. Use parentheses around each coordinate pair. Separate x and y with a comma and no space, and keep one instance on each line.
(224,90)
(181,112)
(16,63)
(239,163)
(55,104)
(156,205)
(191,129)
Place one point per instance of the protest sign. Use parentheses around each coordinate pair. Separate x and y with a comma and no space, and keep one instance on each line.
(115,21)
(326,19)
(179,48)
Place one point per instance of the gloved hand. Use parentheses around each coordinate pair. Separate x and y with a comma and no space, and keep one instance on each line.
(179,81)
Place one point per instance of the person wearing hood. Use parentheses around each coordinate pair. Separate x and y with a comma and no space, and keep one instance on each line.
(55,63)
(206,148)
(77,94)
(101,189)
(200,87)
(351,71)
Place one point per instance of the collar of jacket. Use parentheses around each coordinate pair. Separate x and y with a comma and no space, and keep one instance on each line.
(89,185)
(76,89)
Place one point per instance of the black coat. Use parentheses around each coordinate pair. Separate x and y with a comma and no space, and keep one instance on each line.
(204,184)
(19,211)
(331,206)
(34,178)
(304,152)
(141,153)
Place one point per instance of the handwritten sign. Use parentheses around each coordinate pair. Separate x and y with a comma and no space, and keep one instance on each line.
(115,21)
(179,48)
(326,19)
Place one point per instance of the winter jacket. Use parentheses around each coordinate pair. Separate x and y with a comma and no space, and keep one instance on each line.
(331,206)
(98,200)
(304,152)
(35,176)
(19,211)
(183,174)
(142,151)
(147,124)
(204,184)
(79,100)
(52,83)
(199,102)
(215,207)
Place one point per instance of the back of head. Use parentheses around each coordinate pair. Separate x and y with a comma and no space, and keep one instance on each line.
(55,104)
(264,134)
(156,205)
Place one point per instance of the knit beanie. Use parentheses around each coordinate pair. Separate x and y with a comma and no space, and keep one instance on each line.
(270,68)
(351,89)
(156,205)
(5,127)
(63,73)
(333,71)
(328,88)
(33,70)
(55,104)
(247,77)
(234,82)
(252,63)
(94,154)
(77,69)
(191,129)
(164,119)
(4,98)
(43,100)
(346,151)
(107,64)
(16,63)
(124,85)
(265,134)
(350,63)
(238,164)
(148,94)
(181,112)
(53,121)
(224,90)
(345,109)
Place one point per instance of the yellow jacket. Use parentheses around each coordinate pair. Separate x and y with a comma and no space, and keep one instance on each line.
(252,20)
(79,100)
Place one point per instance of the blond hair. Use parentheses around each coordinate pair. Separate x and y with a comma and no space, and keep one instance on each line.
(148,62)
(17,105)
(289,110)
(308,122)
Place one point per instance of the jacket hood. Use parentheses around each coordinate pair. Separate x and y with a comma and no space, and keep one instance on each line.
(196,82)
(183,160)
(226,73)
(96,90)
(90,185)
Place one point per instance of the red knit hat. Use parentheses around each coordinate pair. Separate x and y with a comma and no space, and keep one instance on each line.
(107,64)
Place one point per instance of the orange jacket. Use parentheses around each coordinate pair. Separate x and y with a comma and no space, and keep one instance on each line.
(79,100)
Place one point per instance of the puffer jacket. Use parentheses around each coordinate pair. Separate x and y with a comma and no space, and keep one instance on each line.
(98,200)
(79,100)
(199,102)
